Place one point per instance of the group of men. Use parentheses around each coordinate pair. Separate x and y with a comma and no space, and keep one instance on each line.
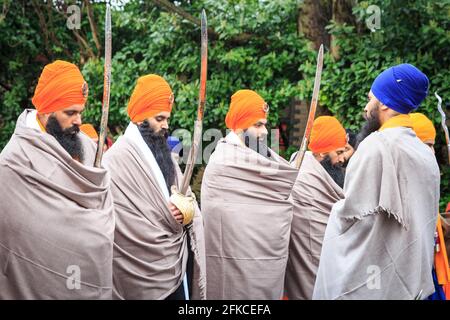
(266,230)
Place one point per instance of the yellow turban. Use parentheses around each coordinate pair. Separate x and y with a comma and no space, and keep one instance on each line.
(327,134)
(151,96)
(246,108)
(60,86)
(423,127)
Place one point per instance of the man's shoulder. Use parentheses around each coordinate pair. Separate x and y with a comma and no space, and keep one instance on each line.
(373,143)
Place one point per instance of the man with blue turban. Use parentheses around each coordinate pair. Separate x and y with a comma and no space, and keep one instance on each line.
(379,239)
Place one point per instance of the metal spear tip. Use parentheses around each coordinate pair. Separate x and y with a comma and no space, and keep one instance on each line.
(108,17)
(204,14)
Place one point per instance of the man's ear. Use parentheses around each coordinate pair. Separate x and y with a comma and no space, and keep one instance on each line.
(43,117)
(319,156)
(383,107)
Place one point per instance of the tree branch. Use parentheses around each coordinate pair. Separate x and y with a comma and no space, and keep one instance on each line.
(169,6)
(93,26)
(81,40)
(5,86)
(52,32)
(43,25)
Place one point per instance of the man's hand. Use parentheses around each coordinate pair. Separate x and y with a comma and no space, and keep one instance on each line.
(176,213)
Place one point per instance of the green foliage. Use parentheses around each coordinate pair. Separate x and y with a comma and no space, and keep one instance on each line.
(255,46)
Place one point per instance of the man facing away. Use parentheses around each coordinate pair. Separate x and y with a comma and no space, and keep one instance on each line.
(379,240)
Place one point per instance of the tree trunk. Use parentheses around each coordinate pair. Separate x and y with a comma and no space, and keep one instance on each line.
(313,17)
(342,14)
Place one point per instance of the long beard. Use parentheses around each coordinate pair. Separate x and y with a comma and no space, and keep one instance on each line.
(372,124)
(157,142)
(336,171)
(256,144)
(67,138)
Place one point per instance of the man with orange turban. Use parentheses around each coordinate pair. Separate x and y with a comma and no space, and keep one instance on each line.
(425,131)
(379,240)
(56,221)
(317,188)
(154,239)
(246,207)
(424,128)
(89,130)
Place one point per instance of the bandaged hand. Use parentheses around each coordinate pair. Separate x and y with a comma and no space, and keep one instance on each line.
(184,204)
(176,213)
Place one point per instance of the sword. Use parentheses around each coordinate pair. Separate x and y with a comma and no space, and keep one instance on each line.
(106,88)
(312,109)
(200,109)
(443,124)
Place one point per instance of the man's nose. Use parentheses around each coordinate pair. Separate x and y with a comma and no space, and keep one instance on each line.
(264,131)
(77,121)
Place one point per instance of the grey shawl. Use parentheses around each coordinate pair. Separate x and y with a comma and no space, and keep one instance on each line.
(379,240)
(150,246)
(247,213)
(56,220)
(314,194)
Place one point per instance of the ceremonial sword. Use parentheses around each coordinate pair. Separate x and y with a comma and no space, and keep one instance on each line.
(312,109)
(444,126)
(106,88)
(200,109)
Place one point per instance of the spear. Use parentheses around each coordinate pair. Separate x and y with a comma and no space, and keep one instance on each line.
(200,109)
(106,88)
(312,109)
(444,126)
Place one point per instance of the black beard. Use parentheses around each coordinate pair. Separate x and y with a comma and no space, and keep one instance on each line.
(157,142)
(67,138)
(372,124)
(256,144)
(336,171)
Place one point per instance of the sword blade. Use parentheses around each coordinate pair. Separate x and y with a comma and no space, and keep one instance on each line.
(443,124)
(200,109)
(312,109)
(106,88)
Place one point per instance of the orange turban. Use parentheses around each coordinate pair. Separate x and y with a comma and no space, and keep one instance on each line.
(327,134)
(151,96)
(423,127)
(246,108)
(60,86)
(89,130)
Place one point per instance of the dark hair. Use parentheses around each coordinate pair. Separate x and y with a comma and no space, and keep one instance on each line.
(351,137)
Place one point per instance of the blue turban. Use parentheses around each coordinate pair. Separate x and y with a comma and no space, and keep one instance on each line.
(401,88)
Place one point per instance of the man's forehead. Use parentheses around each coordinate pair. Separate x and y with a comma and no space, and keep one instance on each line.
(163,114)
(75,107)
(262,120)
